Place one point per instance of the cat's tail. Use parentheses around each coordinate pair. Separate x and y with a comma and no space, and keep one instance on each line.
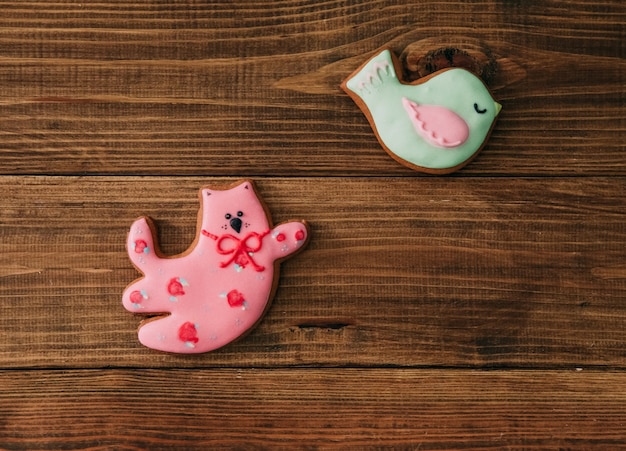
(141,244)
(142,248)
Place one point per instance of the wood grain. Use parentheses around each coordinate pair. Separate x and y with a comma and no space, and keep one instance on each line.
(312,409)
(483,310)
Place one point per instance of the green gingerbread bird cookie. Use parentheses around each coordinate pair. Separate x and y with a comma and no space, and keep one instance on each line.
(436,124)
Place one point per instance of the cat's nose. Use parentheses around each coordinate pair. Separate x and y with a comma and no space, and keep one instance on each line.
(236,223)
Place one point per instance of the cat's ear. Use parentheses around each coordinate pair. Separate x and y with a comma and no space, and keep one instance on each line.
(206,192)
(244,187)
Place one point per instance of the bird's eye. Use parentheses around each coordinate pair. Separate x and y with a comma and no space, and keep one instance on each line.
(228,216)
(240,213)
(478,110)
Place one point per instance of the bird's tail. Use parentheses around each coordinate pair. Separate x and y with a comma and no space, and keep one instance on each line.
(378,73)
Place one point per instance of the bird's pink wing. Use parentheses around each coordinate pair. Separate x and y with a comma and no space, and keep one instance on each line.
(438,125)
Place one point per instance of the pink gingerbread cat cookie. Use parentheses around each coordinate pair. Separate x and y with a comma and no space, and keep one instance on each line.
(222,285)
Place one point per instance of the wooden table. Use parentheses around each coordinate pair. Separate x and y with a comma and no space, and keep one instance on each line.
(485,309)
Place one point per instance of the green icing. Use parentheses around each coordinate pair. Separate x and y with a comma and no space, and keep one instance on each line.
(378,86)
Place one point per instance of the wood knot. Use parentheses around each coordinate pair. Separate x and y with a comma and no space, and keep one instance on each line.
(424,57)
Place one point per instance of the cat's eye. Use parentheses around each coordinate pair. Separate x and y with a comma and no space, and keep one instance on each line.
(228,216)
(478,110)
(240,213)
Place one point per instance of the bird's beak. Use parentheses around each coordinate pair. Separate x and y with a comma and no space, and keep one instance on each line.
(498,107)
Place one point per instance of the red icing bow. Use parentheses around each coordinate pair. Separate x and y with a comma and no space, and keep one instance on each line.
(239,249)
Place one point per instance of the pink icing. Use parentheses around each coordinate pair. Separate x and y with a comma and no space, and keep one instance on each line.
(221,287)
(436,124)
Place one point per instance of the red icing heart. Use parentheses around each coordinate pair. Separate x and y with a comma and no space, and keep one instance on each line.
(188,333)
(175,288)
(140,245)
(235,298)
(136,297)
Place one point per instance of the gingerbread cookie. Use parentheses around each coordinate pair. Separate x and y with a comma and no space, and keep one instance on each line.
(436,124)
(222,285)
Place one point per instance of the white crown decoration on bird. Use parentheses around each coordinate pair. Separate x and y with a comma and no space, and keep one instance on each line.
(436,124)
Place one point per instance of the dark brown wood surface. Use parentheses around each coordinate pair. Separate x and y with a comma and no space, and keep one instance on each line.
(481,310)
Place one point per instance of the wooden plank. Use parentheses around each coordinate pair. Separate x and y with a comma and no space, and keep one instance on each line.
(312,408)
(244,88)
(485,272)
